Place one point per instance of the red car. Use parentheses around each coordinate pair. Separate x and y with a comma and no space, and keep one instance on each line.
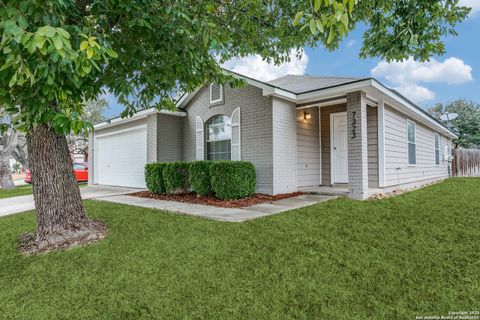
(80,170)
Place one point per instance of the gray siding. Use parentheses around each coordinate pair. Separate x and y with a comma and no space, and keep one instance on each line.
(308,148)
(256,127)
(325,128)
(169,138)
(397,170)
(372,147)
(284,146)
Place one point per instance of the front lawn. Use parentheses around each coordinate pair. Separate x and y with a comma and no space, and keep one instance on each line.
(413,255)
(18,191)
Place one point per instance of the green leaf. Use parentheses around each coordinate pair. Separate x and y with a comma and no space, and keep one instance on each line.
(89,52)
(317,5)
(63,33)
(344,20)
(57,42)
(7,50)
(39,40)
(320,26)
(313,26)
(331,35)
(31,46)
(298,16)
(46,31)
(83,45)
(112,53)
(351,5)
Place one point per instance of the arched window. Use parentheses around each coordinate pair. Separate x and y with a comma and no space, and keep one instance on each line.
(219,138)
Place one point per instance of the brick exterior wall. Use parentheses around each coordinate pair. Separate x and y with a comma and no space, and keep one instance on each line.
(256,127)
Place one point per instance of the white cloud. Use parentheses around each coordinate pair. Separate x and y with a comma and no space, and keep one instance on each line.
(253,66)
(351,43)
(415,92)
(405,76)
(474,4)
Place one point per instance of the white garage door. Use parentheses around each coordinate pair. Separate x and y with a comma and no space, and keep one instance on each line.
(120,158)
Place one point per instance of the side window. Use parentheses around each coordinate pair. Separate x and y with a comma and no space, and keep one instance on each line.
(412,145)
(437,149)
(216,93)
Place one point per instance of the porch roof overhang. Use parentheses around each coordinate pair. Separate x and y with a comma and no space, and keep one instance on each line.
(375,92)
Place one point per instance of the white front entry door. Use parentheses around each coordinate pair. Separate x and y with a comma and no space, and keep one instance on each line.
(339,147)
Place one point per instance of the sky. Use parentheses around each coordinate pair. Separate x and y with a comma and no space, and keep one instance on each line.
(443,79)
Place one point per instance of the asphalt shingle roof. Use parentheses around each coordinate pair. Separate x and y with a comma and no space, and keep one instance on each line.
(299,83)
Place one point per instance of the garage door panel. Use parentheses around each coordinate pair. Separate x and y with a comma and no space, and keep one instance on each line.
(121,158)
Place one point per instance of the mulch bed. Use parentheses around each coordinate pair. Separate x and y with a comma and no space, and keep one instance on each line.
(212,201)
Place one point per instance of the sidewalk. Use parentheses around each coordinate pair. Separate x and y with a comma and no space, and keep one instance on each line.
(218,213)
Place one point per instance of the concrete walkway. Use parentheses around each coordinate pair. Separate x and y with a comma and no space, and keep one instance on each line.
(221,214)
(25,203)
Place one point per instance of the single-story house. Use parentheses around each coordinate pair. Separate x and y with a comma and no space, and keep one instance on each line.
(300,132)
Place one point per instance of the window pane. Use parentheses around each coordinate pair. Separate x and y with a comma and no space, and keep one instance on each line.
(411,132)
(437,157)
(219,128)
(412,157)
(437,146)
(219,150)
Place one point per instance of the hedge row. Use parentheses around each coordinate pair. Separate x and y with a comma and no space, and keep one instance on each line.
(224,179)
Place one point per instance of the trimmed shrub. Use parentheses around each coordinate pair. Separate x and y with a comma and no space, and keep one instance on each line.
(175,175)
(199,172)
(154,177)
(233,179)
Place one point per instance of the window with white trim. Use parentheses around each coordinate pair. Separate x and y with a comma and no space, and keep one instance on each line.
(219,138)
(412,145)
(216,93)
(437,149)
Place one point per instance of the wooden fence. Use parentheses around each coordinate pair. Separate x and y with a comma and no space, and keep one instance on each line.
(466,163)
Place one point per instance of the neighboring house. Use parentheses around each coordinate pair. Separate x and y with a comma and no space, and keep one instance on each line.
(299,131)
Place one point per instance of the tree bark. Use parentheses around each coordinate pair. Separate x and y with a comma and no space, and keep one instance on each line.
(9,142)
(61,217)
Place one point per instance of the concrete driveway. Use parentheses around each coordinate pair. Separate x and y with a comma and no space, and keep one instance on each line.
(25,203)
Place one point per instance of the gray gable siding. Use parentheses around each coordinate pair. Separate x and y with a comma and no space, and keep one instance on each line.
(256,127)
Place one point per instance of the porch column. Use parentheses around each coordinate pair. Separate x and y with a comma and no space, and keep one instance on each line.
(357,145)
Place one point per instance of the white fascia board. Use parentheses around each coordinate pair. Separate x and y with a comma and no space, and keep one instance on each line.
(406,107)
(137,116)
(333,92)
(186,98)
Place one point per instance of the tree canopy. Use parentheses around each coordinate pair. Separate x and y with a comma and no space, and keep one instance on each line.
(466,125)
(58,53)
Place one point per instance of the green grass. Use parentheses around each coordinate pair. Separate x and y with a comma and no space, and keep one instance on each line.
(18,191)
(22,191)
(413,255)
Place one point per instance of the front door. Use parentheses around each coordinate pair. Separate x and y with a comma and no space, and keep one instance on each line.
(339,147)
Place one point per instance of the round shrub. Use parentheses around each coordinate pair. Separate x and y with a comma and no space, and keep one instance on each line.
(199,172)
(175,175)
(232,179)
(154,177)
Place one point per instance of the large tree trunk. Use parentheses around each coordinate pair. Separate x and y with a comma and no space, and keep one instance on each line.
(9,142)
(61,218)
